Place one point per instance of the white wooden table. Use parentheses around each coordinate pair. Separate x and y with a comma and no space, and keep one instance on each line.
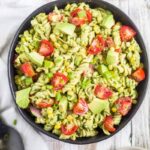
(137,132)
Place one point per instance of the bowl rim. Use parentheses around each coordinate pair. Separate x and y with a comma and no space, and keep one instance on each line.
(32,123)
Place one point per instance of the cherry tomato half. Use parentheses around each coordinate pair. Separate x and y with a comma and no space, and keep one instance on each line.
(102,92)
(68,129)
(123,105)
(59,80)
(139,74)
(27,69)
(76,20)
(97,45)
(46,48)
(127,33)
(81,107)
(108,124)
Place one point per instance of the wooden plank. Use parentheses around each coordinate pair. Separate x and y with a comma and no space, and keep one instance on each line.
(140,13)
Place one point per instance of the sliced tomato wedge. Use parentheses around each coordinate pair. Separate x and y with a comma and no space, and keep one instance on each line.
(123,105)
(109,124)
(126,33)
(81,107)
(102,92)
(89,15)
(139,74)
(59,80)
(97,45)
(77,21)
(27,69)
(45,103)
(68,129)
(54,17)
(110,42)
(74,13)
(46,48)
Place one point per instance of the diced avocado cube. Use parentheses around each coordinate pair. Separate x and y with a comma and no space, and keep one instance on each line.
(85,83)
(102,69)
(78,60)
(117,39)
(97,105)
(63,104)
(22,98)
(108,74)
(108,21)
(36,58)
(112,58)
(58,96)
(50,75)
(28,81)
(66,28)
(82,14)
(48,64)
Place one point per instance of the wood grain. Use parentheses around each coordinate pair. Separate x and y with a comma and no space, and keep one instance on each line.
(137,132)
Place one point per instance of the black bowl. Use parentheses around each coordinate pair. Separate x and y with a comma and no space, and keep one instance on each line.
(120,16)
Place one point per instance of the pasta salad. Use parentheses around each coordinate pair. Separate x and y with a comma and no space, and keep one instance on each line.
(77,70)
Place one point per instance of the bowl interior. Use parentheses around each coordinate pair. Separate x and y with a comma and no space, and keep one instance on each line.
(119,16)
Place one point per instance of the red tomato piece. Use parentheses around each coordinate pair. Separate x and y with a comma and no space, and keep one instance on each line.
(27,69)
(54,17)
(81,107)
(108,124)
(139,74)
(59,80)
(127,33)
(74,13)
(80,21)
(97,45)
(77,21)
(46,48)
(45,104)
(89,15)
(68,129)
(123,105)
(101,41)
(110,42)
(102,92)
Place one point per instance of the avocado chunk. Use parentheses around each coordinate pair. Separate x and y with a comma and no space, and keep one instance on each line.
(102,69)
(97,105)
(108,21)
(22,98)
(36,58)
(48,64)
(82,14)
(63,104)
(112,58)
(66,28)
